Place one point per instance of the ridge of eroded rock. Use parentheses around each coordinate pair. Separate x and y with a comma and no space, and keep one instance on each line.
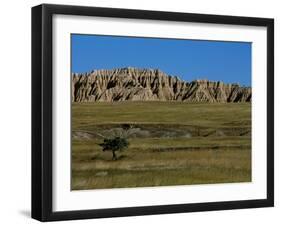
(134,84)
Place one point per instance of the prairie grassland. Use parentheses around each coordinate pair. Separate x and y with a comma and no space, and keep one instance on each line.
(171,143)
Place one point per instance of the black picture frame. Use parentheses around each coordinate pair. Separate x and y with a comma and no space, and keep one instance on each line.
(42,111)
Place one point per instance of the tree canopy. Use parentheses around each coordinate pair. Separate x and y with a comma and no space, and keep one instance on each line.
(114,144)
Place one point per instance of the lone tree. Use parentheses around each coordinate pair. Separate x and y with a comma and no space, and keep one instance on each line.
(114,144)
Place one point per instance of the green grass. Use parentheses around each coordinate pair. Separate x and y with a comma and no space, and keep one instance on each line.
(85,114)
(156,160)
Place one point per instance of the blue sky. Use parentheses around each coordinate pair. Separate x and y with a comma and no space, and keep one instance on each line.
(229,62)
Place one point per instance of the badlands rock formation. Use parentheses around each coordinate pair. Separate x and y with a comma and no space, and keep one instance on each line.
(133,84)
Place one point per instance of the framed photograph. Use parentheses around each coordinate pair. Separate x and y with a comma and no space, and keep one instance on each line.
(145,112)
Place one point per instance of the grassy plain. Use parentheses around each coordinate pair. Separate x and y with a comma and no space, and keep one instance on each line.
(171,143)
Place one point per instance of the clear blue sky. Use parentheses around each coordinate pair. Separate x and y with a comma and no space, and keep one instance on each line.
(229,62)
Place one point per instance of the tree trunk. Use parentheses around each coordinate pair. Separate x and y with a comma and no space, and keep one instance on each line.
(114,155)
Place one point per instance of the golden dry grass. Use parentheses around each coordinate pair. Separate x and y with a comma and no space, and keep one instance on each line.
(162,161)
